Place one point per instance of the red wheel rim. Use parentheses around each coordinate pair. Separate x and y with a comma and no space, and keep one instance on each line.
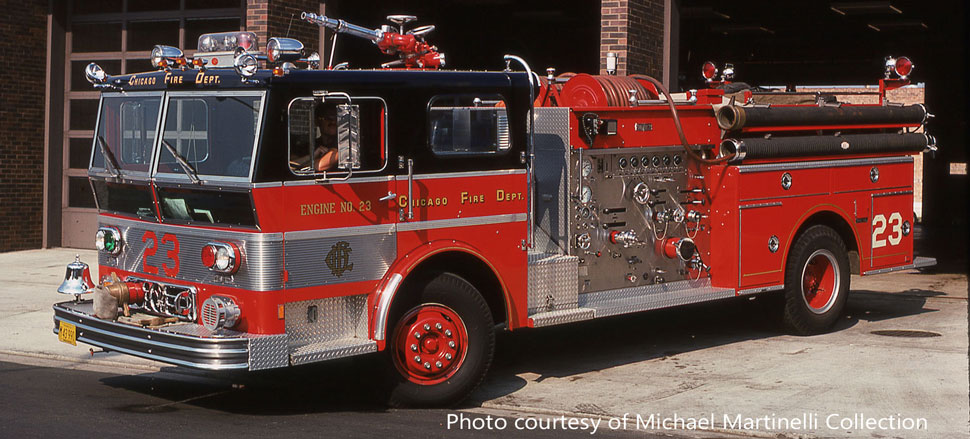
(820,281)
(430,343)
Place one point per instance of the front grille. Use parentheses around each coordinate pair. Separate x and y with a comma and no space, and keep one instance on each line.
(210,314)
(167,300)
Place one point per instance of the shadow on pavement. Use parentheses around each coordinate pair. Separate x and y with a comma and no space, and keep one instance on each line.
(563,352)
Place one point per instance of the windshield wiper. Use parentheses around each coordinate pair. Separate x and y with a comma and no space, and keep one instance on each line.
(109,157)
(186,167)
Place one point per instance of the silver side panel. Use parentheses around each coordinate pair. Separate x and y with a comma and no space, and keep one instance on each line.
(326,259)
(553,282)
(325,329)
(553,174)
(262,253)
(647,297)
(333,318)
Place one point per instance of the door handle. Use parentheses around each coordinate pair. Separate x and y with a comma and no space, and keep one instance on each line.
(390,196)
(410,185)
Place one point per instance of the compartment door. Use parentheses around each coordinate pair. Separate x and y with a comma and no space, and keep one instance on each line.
(891,230)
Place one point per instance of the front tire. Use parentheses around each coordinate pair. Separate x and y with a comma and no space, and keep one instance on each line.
(441,345)
(816,281)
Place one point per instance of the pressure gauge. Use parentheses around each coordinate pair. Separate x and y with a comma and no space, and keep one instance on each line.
(586,167)
(585,195)
(645,161)
(622,162)
(583,241)
(677,160)
(584,212)
(634,162)
(666,160)
(656,161)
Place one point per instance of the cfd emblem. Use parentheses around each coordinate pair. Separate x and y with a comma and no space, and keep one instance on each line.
(338,260)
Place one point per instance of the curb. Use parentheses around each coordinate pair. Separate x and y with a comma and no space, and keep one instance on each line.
(75,360)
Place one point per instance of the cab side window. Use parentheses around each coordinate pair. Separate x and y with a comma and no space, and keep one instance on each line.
(314,126)
(468,125)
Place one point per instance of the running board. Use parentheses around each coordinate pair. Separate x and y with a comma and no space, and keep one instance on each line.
(329,350)
(918,262)
(647,297)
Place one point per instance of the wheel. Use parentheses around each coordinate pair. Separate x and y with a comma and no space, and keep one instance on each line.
(441,345)
(816,281)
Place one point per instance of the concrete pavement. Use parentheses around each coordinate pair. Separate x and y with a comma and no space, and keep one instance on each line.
(703,361)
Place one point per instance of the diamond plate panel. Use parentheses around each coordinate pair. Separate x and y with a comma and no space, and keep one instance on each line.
(553,282)
(262,253)
(647,297)
(552,174)
(336,318)
(330,260)
(330,350)
(268,351)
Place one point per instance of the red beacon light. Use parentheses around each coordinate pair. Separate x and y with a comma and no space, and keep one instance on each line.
(709,71)
(901,66)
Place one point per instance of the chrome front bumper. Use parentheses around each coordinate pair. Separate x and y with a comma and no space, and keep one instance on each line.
(183,344)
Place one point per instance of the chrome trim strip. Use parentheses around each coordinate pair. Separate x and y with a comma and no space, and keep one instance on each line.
(918,262)
(160,344)
(340,231)
(469,174)
(889,194)
(761,289)
(755,206)
(822,164)
(462,222)
(330,182)
(267,184)
(384,305)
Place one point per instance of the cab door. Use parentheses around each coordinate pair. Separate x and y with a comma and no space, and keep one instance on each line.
(341,240)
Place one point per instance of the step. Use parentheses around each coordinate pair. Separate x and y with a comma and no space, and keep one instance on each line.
(559,317)
(647,297)
(329,350)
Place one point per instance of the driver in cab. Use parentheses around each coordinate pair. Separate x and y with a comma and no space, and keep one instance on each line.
(324,156)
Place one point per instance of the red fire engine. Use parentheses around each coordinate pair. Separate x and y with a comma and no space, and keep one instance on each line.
(255,218)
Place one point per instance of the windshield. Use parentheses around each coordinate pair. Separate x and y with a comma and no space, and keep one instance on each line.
(213,134)
(126,131)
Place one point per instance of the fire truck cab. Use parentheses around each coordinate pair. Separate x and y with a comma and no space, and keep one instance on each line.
(261,218)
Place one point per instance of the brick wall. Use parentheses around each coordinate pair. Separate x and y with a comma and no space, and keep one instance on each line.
(634,30)
(23,43)
(273,18)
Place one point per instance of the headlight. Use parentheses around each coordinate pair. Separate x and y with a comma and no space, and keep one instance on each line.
(165,56)
(108,239)
(221,257)
(95,74)
(246,65)
(283,50)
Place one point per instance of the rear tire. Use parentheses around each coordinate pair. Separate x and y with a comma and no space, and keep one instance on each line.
(441,344)
(816,281)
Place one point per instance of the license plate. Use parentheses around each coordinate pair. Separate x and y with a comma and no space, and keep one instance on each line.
(67,333)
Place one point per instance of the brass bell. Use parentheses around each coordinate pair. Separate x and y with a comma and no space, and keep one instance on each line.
(77,280)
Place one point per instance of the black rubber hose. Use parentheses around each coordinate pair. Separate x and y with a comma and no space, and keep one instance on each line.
(733,118)
(802,146)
